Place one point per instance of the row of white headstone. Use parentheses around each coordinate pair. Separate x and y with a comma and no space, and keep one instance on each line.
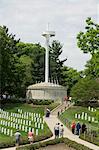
(22,121)
(10,132)
(20,126)
(6,131)
(25,115)
(85,116)
(91,109)
(16,121)
(22,118)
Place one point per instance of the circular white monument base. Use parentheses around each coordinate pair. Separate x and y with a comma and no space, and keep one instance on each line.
(46,91)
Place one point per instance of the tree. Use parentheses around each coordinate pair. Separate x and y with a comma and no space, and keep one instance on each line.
(55,63)
(92,66)
(33,54)
(70,77)
(88,42)
(7,61)
(86,89)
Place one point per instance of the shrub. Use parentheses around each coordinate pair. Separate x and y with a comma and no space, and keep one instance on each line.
(68,142)
(12,100)
(39,102)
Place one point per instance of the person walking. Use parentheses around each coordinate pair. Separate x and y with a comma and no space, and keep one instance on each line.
(58,113)
(56,130)
(61,130)
(73,126)
(78,128)
(47,112)
(83,128)
(17,138)
(30,136)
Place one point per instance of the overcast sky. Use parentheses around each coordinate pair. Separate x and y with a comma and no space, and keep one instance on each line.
(27,19)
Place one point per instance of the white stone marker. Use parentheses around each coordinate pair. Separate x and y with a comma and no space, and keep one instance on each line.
(40,120)
(39,125)
(93,119)
(42,126)
(75,115)
(89,108)
(92,109)
(89,118)
(23,128)
(78,116)
(26,129)
(20,127)
(82,117)
(35,124)
(33,130)
(36,131)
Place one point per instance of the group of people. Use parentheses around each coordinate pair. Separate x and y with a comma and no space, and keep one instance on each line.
(18,137)
(58,130)
(78,128)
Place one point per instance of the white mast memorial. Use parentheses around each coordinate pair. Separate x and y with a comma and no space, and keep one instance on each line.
(47,35)
(46,90)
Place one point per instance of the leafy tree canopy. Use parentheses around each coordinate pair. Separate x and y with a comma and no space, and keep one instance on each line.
(88,41)
(55,63)
(7,61)
(70,77)
(86,89)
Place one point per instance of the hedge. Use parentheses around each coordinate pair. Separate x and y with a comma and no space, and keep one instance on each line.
(39,102)
(68,142)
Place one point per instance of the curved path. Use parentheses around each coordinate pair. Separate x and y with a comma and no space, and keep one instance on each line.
(67,133)
(52,120)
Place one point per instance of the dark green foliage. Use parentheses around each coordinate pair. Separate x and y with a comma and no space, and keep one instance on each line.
(70,77)
(39,102)
(88,42)
(92,66)
(86,89)
(8,61)
(56,64)
(32,57)
(68,142)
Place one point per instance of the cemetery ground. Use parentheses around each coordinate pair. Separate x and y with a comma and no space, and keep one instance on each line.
(23,117)
(87,115)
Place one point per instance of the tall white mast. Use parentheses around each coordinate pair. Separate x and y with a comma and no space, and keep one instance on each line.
(47,35)
(98,12)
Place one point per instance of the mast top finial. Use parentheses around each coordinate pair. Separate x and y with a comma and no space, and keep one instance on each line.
(48,26)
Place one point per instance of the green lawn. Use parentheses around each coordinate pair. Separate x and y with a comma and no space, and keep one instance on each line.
(25,108)
(69,116)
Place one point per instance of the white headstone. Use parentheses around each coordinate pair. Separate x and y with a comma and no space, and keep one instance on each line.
(78,116)
(93,119)
(89,118)
(36,131)
(42,126)
(89,108)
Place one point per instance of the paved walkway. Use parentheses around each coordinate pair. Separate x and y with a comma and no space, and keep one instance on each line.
(52,120)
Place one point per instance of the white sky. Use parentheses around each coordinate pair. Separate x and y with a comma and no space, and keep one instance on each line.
(27,19)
